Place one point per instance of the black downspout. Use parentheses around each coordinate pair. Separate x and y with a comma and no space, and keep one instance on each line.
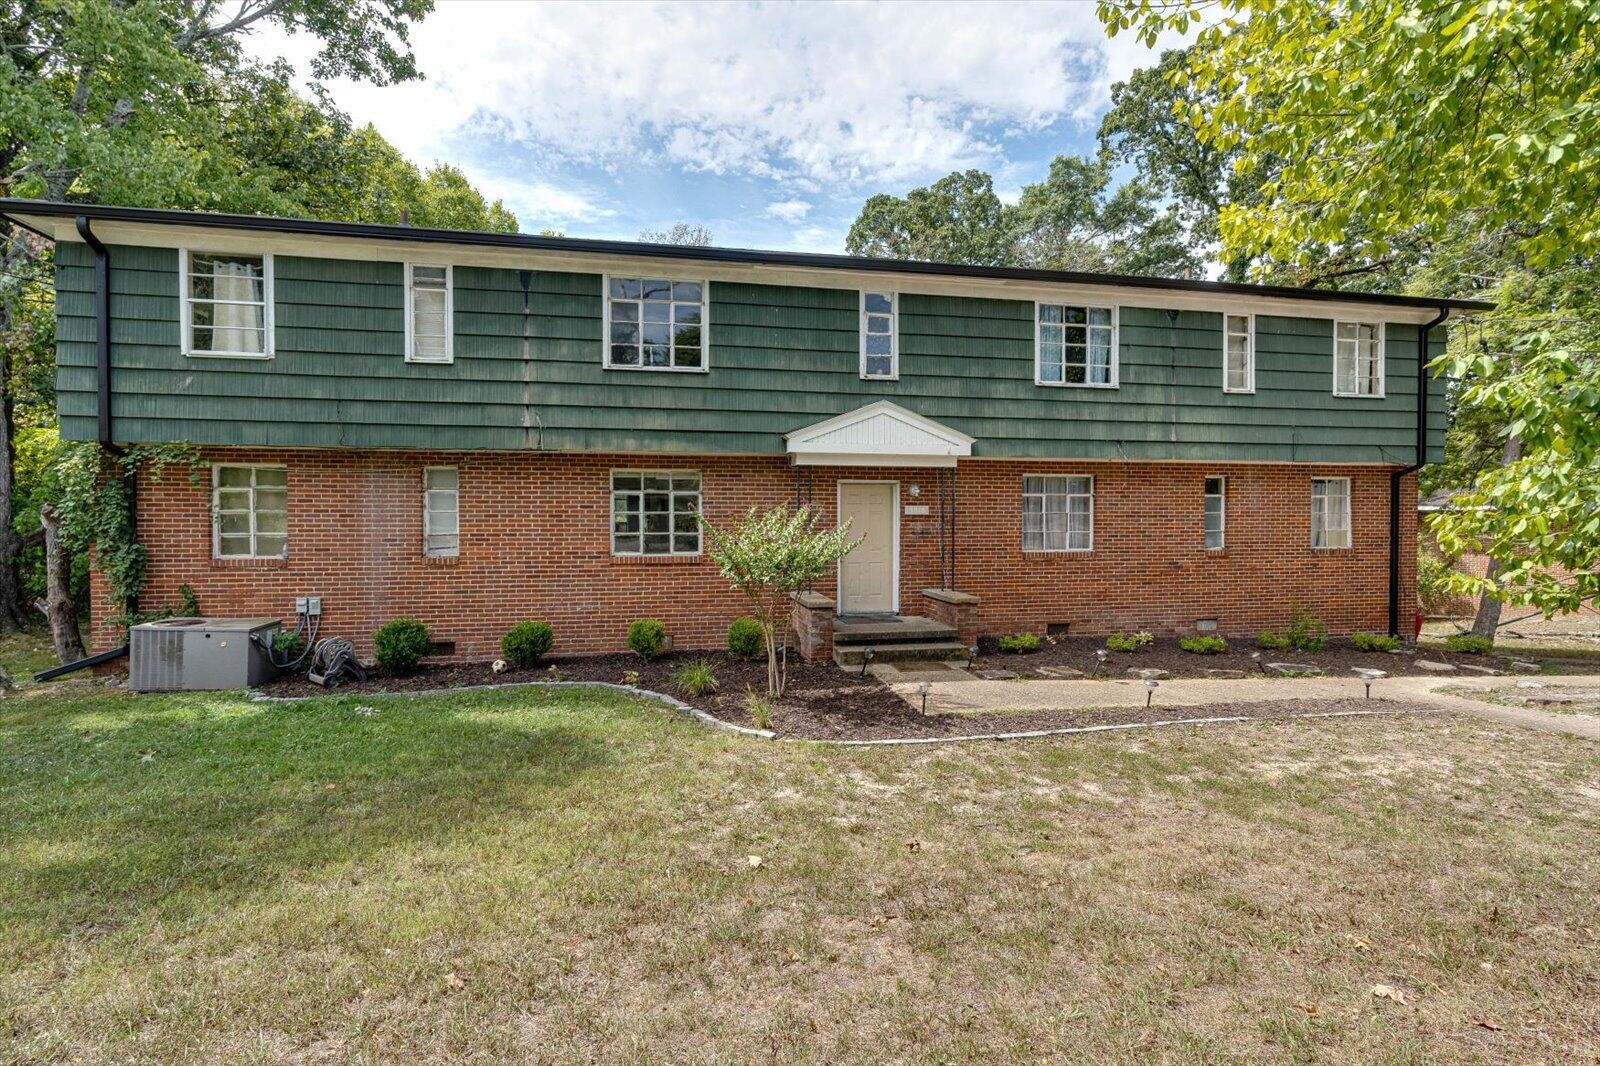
(1396,475)
(102,341)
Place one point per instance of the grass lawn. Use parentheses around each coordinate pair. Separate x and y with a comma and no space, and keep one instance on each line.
(556,876)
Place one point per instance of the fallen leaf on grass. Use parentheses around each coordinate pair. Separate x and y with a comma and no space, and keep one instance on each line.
(913,845)
(454,980)
(1389,992)
(1309,1008)
(1488,1023)
(755,861)
(330,786)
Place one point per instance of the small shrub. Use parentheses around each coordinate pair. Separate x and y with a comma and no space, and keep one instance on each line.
(1374,641)
(695,678)
(553,673)
(1205,644)
(1130,641)
(760,710)
(647,637)
(1433,583)
(527,642)
(1272,641)
(745,636)
(1019,643)
(630,678)
(399,645)
(1306,631)
(286,643)
(1469,644)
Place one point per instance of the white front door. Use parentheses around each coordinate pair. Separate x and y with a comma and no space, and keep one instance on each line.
(869,578)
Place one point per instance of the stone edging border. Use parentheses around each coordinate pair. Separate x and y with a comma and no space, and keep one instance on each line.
(714,722)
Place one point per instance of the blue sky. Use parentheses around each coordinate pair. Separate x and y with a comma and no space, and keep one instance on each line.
(769,124)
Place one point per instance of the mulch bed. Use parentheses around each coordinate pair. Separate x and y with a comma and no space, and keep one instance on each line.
(1335,659)
(822,702)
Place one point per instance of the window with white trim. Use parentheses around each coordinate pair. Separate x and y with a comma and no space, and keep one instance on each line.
(655,324)
(1357,359)
(1239,353)
(1057,514)
(250,512)
(1330,512)
(1216,513)
(441,512)
(880,336)
(429,299)
(1076,345)
(655,513)
(226,304)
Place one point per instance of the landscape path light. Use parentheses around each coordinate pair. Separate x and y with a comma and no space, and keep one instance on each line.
(866,659)
(1100,656)
(1368,675)
(923,690)
(1150,686)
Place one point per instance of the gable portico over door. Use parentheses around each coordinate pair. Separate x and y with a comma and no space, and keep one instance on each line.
(869,577)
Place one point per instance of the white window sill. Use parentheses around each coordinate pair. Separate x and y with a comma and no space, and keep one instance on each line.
(229,355)
(1358,396)
(659,369)
(880,377)
(431,362)
(1075,385)
(1240,392)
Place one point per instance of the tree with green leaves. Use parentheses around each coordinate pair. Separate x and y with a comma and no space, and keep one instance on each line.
(684,233)
(769,556)
(957,219)
(1382,127)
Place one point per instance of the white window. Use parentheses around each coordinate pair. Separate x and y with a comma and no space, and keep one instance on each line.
(1330,512)
(655,324)
(1357,359)
(1239,354)
(429,309)
(250,512)
(441,512)
(655,513)
(226,304)
(1216,512)
(1075,346)
(880,336)
(1057,514)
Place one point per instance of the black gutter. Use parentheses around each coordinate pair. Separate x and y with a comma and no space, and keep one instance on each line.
(417,235)
(81,664)
(1396,475)
(102,332)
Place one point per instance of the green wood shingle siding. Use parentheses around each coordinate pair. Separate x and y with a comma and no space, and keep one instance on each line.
(528,373)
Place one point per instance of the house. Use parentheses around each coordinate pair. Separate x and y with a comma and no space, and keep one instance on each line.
(475,428)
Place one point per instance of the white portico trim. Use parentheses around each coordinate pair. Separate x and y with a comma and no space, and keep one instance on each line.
(879,434)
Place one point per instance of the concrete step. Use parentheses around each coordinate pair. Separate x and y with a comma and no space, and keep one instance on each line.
(852,655)
(909,629)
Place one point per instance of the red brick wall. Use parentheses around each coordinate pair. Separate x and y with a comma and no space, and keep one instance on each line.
(535,544)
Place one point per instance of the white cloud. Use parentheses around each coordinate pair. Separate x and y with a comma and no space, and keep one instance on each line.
(808,95)
(789,210)
(541,202)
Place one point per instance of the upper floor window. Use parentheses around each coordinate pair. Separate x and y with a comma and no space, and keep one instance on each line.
(1076,346)
(441,512)
(1357,359)
(655,513)
(1216,512)
(1057,514)
(250,512)
(880,336)
(428,314)
(655,324)
(1239,354)
(1330,512)
(227,304)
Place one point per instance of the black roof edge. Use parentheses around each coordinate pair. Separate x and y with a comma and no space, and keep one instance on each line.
(814,260)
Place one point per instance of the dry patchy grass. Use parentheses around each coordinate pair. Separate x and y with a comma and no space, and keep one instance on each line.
(561,876)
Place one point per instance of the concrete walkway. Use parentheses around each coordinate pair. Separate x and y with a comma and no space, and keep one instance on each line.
(959,693)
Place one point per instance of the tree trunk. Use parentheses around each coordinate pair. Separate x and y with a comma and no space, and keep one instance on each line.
(12,613)
(1487,621)
(58,590)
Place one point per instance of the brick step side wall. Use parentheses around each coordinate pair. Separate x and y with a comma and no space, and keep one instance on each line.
(535,544)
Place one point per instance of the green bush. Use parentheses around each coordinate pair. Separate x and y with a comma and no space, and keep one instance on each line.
(1469,644)
(399,645)
(1130,641)
(648,637)
(286,643)
(1306,631)
(527,642)
(1272,641)
(1433,589)
(760,710)
(695,678)
(745,636)
(1374,641)
(1205,644)
(1019,643)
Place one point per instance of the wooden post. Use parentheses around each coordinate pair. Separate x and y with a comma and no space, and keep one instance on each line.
(58,590)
